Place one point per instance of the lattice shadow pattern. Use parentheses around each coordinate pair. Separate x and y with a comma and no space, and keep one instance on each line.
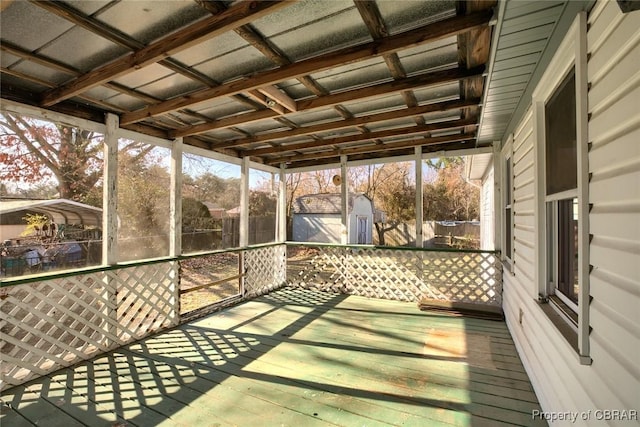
(55,323)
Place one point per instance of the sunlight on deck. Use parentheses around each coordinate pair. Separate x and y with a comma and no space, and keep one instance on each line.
(295,357)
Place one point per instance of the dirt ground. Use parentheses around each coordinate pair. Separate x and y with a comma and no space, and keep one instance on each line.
(204,270)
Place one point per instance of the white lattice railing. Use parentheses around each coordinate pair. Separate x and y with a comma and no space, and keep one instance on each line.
(400,273)
(54,321)
(266,269)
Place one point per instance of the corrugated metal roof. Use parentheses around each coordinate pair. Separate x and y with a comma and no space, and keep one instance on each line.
(372,64)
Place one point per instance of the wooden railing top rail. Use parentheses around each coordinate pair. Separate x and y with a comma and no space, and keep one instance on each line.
(14,281)
(399,248)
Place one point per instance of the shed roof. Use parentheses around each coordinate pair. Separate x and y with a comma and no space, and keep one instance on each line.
(324,203)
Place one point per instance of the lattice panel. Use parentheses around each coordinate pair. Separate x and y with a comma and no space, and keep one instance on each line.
(265,269)
(404,275)
(146,297)
(54,323)
(387,273)
(324,271)
(50,324)
(464,276)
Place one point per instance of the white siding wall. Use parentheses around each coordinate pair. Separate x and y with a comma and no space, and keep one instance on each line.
(317,228)
(487,217)
(614,191)
(612,381)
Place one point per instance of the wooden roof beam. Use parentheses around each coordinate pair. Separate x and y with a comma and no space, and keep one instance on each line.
(176,42)
(376,155)
(374,148)
(430,79)
(370,136)
(357,121)
(429,33)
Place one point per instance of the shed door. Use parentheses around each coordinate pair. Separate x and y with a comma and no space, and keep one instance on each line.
(363,223)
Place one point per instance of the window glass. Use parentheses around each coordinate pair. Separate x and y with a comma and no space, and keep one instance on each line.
(144,182)
(451,205)
(567,249)
(392,189)
(263,205)
(560,138)
(210,204)
(314,206)
(50,196)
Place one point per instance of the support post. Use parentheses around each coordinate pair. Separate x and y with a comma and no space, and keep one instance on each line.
(419,198)
(244,219)
(110,226)
(244,203)
(282,206)
(175,224)
(344,200)
(175,245)
(110,192)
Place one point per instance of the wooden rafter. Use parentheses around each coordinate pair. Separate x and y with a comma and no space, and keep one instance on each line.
(474,49)
(373,19)
(173,43)
(369,136)
(429,33)
(371,148)
(429,79)
(355,121)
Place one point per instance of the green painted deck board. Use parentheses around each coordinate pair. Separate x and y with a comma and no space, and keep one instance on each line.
(297,357)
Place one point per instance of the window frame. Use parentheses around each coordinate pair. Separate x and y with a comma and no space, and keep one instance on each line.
(507,202)
(571,54)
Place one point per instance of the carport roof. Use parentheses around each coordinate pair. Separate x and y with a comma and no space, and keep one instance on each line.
(63,211)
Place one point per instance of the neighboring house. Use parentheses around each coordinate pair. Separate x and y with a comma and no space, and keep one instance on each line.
(216,211)
(59,211)
(318,218)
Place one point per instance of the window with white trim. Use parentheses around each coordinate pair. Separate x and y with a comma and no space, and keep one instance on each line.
(561,191)
(560,123)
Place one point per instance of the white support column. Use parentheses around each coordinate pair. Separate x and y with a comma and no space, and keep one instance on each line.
(344,191)
(110,192)
(419,199)
(281,216)
(110,224)
(244,203)
(175,225)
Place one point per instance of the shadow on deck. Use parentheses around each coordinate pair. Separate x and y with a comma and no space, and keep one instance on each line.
(294,357)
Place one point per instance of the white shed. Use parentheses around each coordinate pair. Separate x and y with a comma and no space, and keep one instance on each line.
(317,218)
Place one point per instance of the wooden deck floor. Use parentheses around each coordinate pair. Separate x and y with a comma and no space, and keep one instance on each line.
(298,358)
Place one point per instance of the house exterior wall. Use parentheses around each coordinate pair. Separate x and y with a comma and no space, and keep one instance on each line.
(487,215)
(612,380)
